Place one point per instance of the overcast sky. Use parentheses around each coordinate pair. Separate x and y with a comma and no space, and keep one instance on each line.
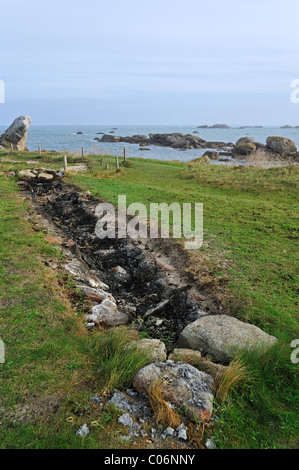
(150,62)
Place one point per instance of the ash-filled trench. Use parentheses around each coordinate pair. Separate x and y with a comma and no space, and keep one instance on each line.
(128,267)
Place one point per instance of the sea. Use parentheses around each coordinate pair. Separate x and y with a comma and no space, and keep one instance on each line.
(65,138)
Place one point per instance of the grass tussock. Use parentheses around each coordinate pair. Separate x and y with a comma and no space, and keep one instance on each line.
(235,374)
(118,364)
(164,414)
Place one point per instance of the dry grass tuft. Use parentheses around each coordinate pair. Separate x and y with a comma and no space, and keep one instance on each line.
(235,374)
(164,414)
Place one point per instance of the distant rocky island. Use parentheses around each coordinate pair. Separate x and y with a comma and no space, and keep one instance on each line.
(215,126)
(174,140)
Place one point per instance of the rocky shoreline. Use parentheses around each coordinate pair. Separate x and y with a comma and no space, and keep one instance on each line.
(245,146)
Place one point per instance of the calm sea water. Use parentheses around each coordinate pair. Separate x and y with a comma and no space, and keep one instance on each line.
(62,138)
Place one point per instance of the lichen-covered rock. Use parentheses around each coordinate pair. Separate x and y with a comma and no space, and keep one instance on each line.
(184,386)
(154,348)
(281,145)
(244,149)
(16,134)
(222,337)
(27,174)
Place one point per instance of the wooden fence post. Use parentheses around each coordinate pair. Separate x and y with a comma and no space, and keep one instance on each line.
(107,166)
(39,150)
(65,163)
(11,148)
(83,153)
(117,163)
(101,161)
(125,155)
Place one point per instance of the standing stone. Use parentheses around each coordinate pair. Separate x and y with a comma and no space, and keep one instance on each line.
(16,134)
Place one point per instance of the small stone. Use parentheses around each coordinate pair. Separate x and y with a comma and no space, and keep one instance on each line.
(125,420)
(169,432)
(182,434)
(210,444)
(83,431)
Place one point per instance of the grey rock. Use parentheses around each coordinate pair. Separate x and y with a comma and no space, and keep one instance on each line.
(210,444)
(154,348)
(135,405)
(222,337)
(281,145)
(27,174)
(45,176)
(245,140)
(16,134)
(125,420)
(107,313)
(182,434)
(185,387)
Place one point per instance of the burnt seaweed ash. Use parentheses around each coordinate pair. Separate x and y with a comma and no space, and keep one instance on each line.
(141,288)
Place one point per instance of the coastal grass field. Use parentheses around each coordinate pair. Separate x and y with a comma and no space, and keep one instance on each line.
(248,263)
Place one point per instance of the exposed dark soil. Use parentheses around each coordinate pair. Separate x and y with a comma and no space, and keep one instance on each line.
(160,297)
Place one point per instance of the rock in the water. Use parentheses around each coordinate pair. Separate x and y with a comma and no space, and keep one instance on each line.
(107,313)
(222,337)
(281,145)
(16,134)
(183,386)
(210,444)
(27,174)
(154,348)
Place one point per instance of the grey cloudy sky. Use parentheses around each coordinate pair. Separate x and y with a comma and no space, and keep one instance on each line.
(150,62)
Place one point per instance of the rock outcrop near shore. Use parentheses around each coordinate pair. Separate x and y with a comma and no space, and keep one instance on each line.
(174,140)
(16,134)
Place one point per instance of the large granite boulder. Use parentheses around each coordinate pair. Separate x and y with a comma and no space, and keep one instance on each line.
(16,134)
(244,149)
(281,145)
(184,387)
(222,337)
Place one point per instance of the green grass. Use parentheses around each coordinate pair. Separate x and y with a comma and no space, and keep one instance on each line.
(49,353)
(248,262)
